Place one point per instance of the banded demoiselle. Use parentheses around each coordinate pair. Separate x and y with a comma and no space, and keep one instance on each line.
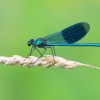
(65,37)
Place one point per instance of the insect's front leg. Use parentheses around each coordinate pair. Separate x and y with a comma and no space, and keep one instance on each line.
(30,52)
(32,49)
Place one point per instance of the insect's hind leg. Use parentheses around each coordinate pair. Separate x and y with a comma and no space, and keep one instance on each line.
(53,53)
(54,50)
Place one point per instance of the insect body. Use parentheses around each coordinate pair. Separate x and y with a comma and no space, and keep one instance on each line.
(40,42)
(66,37)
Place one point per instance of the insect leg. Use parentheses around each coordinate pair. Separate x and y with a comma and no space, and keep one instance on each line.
(44,50)
(41,54)
(53,53)
(54,50)
(30,52)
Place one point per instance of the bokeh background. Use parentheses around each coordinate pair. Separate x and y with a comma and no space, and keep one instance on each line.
(21,20)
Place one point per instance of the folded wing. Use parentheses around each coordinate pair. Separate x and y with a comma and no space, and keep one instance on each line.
(69,35)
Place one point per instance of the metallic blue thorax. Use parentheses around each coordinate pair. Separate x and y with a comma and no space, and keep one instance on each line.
(39,42)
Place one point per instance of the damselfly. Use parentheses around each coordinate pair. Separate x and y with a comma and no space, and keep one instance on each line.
(65,37)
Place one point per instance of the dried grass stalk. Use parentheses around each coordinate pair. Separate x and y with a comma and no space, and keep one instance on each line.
(46,61)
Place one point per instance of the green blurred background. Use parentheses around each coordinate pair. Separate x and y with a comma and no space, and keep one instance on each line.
(21,20)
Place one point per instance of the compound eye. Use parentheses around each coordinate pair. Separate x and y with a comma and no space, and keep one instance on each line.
(30,42)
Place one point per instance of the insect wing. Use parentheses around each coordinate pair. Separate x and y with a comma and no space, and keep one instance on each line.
(69,35)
